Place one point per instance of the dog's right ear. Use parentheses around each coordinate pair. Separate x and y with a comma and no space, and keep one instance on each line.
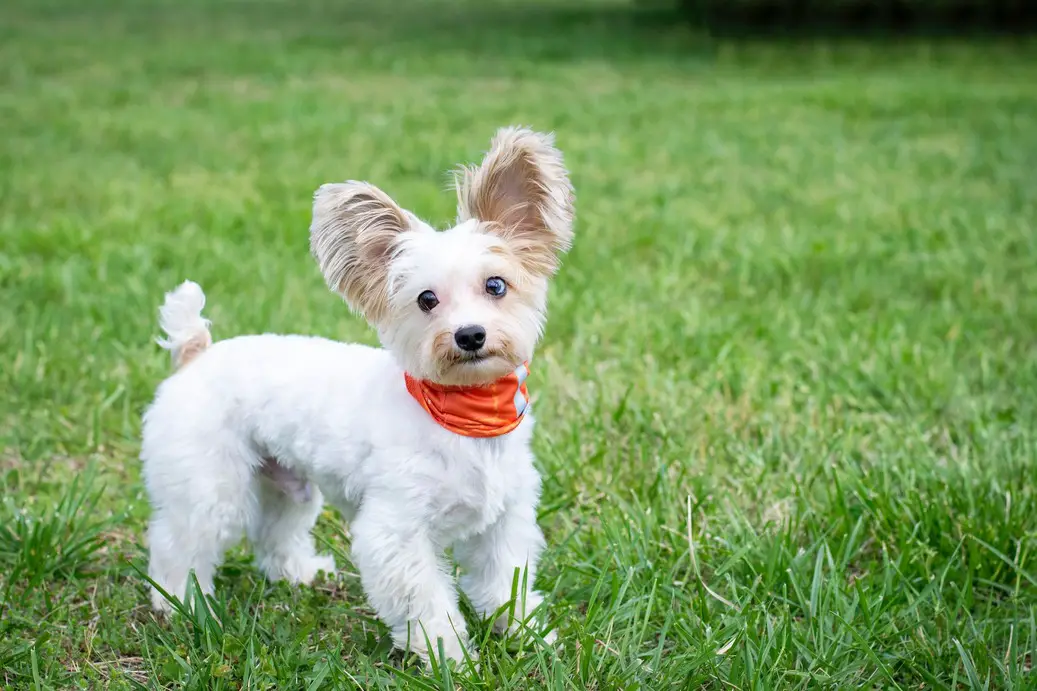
(354,231)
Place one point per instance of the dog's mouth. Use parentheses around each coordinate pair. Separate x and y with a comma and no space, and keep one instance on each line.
(469,369)
(477,363)
(461,358)
(462,367)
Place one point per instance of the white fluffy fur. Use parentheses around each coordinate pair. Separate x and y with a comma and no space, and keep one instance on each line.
(181,318)
(258,431)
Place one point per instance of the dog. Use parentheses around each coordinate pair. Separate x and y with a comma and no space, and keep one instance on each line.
(422,444)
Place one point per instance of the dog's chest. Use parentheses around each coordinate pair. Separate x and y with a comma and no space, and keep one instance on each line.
(472,495)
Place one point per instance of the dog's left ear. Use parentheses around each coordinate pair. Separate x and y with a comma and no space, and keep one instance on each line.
(522,192)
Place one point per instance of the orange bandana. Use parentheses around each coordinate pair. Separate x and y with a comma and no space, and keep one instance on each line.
(475,411)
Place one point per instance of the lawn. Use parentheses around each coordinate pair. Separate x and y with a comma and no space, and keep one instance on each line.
(787,398)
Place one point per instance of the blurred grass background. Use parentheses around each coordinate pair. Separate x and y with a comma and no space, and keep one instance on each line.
(795,337)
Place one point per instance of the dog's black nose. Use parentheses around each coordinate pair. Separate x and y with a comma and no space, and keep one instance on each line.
(470,338)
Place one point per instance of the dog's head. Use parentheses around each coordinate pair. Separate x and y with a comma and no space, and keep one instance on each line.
(466,305)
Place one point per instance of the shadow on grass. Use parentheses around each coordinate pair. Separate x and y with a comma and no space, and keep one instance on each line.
(862,18)
(563,30)
(494,31)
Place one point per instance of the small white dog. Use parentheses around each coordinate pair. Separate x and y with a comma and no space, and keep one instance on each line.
(422,445)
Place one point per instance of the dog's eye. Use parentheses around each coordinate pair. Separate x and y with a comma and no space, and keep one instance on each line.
(427,300)
(496,286)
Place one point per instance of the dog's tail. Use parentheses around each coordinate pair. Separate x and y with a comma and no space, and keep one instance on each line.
(181,318)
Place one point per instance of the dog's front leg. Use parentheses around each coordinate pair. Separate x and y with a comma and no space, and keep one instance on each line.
(405,579)
(491,560)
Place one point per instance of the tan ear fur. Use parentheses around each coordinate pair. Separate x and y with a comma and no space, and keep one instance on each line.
(353,234)
(522,193)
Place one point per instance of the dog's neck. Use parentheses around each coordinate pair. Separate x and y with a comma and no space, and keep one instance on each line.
(483,411)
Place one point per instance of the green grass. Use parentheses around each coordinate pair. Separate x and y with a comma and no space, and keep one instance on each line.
(788,395)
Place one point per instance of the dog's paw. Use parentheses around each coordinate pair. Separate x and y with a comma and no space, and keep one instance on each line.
(320,563)
(300,570)
(534,625)
(451,644)
(527,615)
(461,659)
(160,605)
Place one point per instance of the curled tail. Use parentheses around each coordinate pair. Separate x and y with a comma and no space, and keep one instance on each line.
(181,318)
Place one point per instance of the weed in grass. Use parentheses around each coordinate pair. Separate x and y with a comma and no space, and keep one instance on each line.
(59,543)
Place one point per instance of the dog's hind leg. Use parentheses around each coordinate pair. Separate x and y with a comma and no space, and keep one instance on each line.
(280,530)
(194,539)
(202,499)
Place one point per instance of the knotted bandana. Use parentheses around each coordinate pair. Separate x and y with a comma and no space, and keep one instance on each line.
(475,411)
